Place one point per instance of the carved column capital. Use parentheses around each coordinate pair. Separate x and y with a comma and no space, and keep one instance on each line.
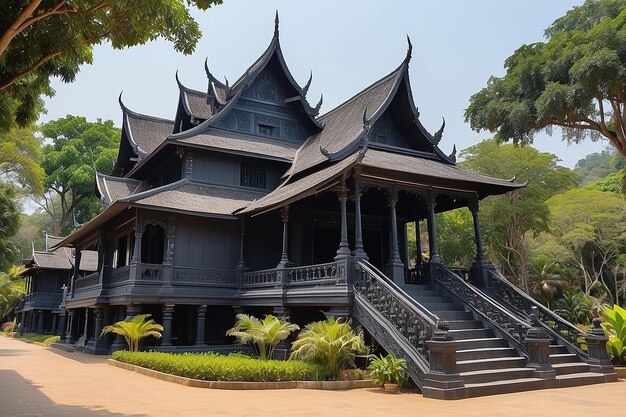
(284,213)
(392,197)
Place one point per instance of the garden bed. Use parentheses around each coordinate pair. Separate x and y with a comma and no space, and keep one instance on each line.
(234,372)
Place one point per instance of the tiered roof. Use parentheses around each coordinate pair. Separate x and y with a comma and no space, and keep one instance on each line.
(60,258)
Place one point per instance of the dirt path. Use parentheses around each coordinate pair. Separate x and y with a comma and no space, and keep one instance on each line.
(36,381)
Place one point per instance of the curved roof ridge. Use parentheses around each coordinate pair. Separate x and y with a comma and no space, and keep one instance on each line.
(142,116)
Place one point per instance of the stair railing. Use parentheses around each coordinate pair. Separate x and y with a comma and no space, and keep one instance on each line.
(512,327)
(522,303)
(381,304)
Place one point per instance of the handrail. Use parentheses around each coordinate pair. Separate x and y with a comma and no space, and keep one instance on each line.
(398,292)
(510,325)
(522,302)
(400,324)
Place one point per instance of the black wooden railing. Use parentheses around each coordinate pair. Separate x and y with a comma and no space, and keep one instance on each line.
(87,281)
(400,324)
(521,303)
(510,326)
(331,273)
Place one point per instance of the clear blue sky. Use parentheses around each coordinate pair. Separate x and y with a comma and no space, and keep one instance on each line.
(457,45)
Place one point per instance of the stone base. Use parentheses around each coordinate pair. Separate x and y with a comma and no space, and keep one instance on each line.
(97,347)
(117,346)
(63,346)
(81,343)
(479,272)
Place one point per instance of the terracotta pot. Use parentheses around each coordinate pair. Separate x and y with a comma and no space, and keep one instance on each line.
(621,372)
(389,387)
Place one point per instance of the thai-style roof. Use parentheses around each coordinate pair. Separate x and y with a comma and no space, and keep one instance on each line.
(61,258)
(145,133)
(192,197)
(112,188)
(194,102)
(242,144)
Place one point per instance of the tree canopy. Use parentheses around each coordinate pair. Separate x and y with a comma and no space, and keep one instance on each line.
(77,146)
(511,216)
(41,39)
(9,222)
(20,150)
(576,80)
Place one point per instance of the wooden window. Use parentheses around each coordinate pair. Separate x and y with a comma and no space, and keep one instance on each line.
(252,176)
(153,244)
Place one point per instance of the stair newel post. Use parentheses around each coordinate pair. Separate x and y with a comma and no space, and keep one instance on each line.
(538,346)
(442,357)
(598,360)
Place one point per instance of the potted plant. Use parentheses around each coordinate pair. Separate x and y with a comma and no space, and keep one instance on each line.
(387,371)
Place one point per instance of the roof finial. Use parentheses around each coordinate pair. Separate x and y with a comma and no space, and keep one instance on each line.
(452,156)
(319,105)
(308,84)
(119,99)
(366,121)
(206,68)
(437,136)
(276,24)
(409,50)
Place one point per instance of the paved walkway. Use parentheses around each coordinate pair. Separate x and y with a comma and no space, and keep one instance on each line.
(36,381)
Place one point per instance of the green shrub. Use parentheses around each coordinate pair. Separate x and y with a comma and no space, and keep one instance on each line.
(135,330)
(614,326)
(387,369)
(215,367)
(48,339)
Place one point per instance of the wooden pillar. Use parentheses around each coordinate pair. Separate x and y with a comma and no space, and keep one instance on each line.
(432,229)
(241,265)
(61,328)
(395,267)
(359,251)
(480,252)
(40,328)
(168,311)
(119,343)
(344,250)
(77,256)
(418,243)
(200,325)
(284,259)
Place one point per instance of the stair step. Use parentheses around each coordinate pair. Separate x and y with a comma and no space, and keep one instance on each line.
(461,334)
(504,387)
(484,342)
(465,324)
(563,358)
(490,375)
(491,363)
(584,378)
(558,349)
(436,307)
(570,368)
(485,353)
(426,299)
(455,315)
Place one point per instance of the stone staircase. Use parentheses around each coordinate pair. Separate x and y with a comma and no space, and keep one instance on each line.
(488,364)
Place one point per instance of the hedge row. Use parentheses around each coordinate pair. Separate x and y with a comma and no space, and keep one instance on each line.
(215,367)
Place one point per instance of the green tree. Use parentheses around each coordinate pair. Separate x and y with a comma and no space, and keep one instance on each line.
(512,216)
(77,147)
(598,165)
(331,343)
(53,38)
(20,150)
(612,183)
(264,335)
(9,223)
(575,80)
(591,226)
(12,288)
(135,330)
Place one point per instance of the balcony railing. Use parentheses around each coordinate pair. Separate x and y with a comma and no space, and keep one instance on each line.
(331,273)
(120,274)
(188,275)
(43,299)
(87,281)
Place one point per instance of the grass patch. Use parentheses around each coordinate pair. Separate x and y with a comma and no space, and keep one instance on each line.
(215,367)
(41,338)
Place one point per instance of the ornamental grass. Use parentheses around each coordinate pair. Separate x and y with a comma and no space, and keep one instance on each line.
(215,367)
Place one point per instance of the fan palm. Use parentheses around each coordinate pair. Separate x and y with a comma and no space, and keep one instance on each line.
(264,335)
(135,330)
(331,343)
(546,283)
(574,306)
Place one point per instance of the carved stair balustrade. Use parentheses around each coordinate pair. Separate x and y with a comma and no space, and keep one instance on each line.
(399,323)
(512,327)
(522,304)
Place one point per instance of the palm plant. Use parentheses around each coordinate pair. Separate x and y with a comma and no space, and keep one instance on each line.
(574,306)
(331,343)
(387,370)
(135,330)
(545,280)
(264,335)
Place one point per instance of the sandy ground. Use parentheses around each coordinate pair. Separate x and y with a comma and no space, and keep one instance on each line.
(37,381)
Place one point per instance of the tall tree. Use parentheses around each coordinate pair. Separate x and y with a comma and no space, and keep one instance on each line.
(77,147)
(20,150)
(513,215)
(576,80)
(9,222)
(40,39)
